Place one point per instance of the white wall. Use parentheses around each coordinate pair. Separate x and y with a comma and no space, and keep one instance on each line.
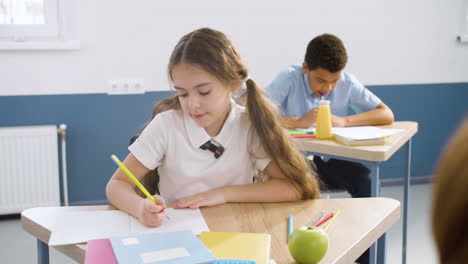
(388,42)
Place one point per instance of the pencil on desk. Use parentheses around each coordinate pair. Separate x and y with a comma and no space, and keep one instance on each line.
(294,132)
(304,136)
(290,225)
(332,221)
(316,218)
(324,220)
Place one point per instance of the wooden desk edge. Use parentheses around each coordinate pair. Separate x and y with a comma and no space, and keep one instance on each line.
(409,134)
(77,252)
(358,152)
(390,219)
(39,232)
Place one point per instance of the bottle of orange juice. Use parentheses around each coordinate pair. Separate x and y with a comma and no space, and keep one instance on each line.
(324,124)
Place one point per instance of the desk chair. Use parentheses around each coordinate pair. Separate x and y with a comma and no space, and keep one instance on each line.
(325,194)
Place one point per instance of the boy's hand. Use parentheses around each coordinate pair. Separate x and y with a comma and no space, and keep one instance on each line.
(338,121)
(310,118)
(150,214)
(208,198)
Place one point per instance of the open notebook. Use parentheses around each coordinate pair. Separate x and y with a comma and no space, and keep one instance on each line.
(79,227)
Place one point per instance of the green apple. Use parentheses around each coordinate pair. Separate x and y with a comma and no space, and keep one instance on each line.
(308,245)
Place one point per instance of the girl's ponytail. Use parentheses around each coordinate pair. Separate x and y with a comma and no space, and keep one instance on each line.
(277,144)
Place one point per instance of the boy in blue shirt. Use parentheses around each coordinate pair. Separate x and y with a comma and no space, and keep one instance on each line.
(297,91)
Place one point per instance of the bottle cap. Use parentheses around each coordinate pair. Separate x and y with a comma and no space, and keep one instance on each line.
(324,102)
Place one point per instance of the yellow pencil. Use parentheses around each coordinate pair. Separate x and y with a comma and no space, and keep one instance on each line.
(332,220)
(133,178)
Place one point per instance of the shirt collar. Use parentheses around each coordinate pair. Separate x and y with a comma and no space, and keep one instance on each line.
(228,128)
(307,86)
(198,136)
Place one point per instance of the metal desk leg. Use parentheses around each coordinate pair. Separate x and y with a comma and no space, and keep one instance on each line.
(375,190)
(42,252)
(375,181)
(382,249)
(405,201)
(381,243)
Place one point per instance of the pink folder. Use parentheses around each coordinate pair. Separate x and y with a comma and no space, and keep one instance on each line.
(100,252)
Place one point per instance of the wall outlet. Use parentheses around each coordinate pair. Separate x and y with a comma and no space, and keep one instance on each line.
(134,86)
(463,38)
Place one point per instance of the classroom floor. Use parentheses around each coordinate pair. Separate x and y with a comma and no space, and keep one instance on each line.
(17,246)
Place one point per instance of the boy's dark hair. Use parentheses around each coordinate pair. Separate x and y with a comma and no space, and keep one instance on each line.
(327,52)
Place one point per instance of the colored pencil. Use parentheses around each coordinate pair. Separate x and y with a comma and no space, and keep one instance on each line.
(303,136)
(330,215)
(316,218)
(332,221)
(294,132)
(290,225)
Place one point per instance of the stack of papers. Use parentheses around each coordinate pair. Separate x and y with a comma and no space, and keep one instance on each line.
(364,132)
(364,135)
(360,135)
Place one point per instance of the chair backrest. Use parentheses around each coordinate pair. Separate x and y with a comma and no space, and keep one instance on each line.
(325,194)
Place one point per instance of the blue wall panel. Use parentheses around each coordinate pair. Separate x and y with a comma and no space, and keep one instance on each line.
(99,125)
(438,109)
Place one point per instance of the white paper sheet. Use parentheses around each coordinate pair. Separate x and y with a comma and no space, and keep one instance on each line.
(79,227)
(360,132)
(364,132)
(179,219)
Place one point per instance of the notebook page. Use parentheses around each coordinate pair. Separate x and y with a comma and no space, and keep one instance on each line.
(79,227)
(179,219)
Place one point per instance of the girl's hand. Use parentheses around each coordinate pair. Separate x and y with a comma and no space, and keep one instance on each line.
(150,214)
(208,198)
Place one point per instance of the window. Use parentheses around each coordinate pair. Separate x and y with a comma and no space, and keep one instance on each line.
(22,12)
(37,22)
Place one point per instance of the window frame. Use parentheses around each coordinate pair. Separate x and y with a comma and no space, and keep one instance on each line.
(50,30)
(49,36)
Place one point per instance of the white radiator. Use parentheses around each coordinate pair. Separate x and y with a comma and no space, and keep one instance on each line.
(29,168)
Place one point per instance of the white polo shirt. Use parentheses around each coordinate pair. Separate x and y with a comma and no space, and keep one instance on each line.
(172,141)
